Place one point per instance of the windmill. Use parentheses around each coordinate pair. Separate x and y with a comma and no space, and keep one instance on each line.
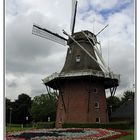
(84,77)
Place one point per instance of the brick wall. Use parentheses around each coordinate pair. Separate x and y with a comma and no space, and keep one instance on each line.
(79,98)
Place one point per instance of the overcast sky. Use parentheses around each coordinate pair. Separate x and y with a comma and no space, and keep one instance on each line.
(30,58)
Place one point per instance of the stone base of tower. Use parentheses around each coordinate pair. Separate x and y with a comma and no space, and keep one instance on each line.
(82,101)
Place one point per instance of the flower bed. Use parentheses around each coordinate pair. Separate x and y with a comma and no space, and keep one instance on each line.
(66,134)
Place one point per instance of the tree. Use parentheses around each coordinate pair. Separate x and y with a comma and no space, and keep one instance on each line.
(24,99)
(113,103)
(8,107)
(126,96)
(44,106)
(23,104)
(21,109)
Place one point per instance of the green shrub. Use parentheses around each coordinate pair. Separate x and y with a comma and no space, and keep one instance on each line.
(95,125)
(41,125)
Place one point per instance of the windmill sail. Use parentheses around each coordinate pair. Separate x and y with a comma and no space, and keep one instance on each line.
(101,30)
(48,35)
(73,17)
(97,51)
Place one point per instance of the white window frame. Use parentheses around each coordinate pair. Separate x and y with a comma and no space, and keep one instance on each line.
(99,119)
(78,59)
(69,51)
(97,105)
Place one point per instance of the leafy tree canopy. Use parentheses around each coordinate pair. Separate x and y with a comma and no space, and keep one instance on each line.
(44,106)
(19,109)
(127,95)
(24,99)
(113,102)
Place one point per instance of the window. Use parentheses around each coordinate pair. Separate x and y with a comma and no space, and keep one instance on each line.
(95,90)
(78,58)
(96,104)
(98,120)
(60,121)
(69,50)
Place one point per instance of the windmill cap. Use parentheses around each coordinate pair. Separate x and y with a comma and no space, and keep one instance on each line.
(81,36)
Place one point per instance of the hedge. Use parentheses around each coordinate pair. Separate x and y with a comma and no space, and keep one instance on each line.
(40,125)
(95,125)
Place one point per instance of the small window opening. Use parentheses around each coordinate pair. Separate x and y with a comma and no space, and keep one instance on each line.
(60,121)
(96,104)
(95,90)
(98,120)
(69,51)
(78,58)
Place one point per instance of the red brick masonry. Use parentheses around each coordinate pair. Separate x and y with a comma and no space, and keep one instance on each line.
(79,101)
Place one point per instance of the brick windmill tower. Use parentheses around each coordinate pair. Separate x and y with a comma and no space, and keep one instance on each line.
(83,79)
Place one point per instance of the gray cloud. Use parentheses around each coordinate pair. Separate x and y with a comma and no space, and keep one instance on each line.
(25,52)
(13,84)
(30,58)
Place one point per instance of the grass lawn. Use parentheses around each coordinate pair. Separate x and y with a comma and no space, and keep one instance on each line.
(15,129)
(128,137)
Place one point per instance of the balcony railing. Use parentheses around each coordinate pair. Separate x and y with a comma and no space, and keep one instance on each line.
(82,73)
